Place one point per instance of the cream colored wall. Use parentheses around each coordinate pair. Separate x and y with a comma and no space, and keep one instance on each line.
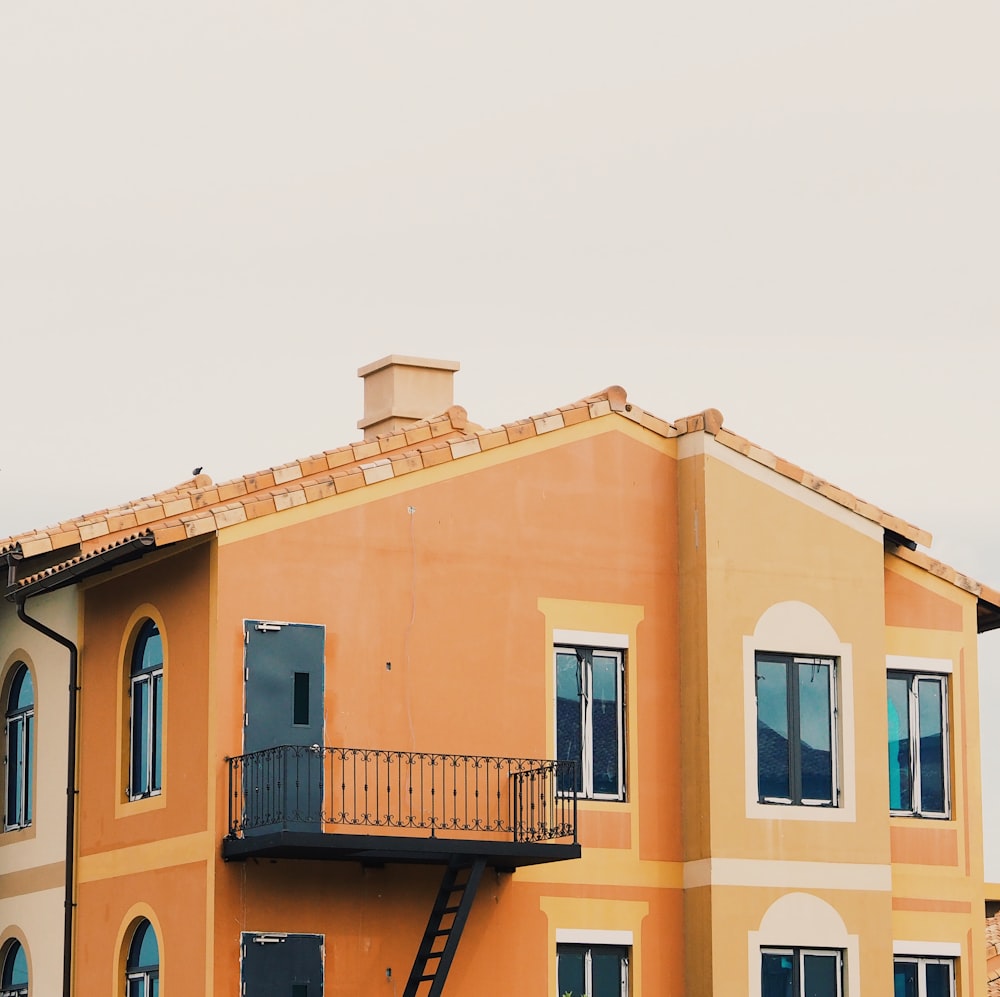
(35,919)
(50,673)
(32,860)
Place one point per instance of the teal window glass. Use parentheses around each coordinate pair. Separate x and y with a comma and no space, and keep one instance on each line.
(795,730)
(918,744)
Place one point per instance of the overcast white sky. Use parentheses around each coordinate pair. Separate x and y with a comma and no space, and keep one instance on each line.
(212,213)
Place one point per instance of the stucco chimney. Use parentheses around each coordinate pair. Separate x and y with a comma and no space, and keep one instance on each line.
(402,390)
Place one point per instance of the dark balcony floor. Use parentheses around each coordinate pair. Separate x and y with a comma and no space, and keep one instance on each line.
(380,849)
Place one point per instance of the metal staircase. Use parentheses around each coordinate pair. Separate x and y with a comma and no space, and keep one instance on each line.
(444,927)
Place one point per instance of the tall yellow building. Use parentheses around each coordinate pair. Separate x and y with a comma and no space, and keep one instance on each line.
(589,703)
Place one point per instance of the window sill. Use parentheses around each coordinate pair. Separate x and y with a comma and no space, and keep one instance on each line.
(16,834)
(141,805)
(798,811)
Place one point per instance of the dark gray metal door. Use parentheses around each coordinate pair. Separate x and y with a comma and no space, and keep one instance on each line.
(283,725)
(281,965)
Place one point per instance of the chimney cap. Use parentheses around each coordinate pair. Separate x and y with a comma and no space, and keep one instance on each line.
(402,361)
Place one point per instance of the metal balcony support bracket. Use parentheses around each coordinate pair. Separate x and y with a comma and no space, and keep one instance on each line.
(444,927)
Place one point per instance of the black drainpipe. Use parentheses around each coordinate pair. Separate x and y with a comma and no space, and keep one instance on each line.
(70,787)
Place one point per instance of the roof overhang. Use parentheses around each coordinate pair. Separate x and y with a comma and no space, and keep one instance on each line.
(77,569)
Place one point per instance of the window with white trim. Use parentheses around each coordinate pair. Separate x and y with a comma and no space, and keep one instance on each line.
(592,970)
(921,976)
(918,744)
(801,972)
(14,971)
(20,757)
(590,721)
(796,729)
(142,966)
(146,714)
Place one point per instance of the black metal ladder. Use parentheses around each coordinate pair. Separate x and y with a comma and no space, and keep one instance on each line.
(444,927)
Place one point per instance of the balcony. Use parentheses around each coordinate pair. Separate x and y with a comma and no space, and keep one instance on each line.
(376,806)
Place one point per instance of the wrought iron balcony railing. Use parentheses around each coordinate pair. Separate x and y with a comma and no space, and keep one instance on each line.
(401,793)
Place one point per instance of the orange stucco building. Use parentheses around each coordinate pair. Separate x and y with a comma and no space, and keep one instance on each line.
(604,698)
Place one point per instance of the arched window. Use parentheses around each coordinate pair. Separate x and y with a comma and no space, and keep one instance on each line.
(146,728)
(14,975)
(142,968)
(20,748)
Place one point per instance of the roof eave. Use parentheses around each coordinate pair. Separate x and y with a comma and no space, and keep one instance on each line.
(74,571)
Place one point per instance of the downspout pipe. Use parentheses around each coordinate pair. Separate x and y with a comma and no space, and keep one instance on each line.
(70,786)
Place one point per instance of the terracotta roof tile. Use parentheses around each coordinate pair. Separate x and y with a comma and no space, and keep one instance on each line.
(378,470)
(521,430)
(204,507)
(490,438)
(288,498)
(417,434)
(392,442)
(406,462)
(347,481)
(287,472)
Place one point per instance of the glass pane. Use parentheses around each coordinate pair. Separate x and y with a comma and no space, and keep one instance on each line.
(814,732)
(149,652)
(772,730)
(29,745)
(606,971)
(904,975)
(156,737)
(776,974)
(938,979)
(820,973)
(569,726)
(137,987)
(605,718)
(571,970)
(900,775)
(15,771)
(140,736)
(300,699)
(22,694)
(929,709)
(15,968)
(149,951)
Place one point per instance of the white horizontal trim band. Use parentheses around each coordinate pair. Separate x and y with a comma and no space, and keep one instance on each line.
(596,936)
(589,638)
(927,948)
(788,875)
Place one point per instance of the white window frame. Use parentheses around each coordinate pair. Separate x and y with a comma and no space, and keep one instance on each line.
(834,671)
(586,706)
(916,675)
(922,962)
(588,983)
(19,726)
(153,678)
(799,953)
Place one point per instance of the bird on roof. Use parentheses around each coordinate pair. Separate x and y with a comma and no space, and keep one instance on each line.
(196,472)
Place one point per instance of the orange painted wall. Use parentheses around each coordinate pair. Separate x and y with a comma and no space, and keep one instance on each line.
(125,848)
(450,596)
